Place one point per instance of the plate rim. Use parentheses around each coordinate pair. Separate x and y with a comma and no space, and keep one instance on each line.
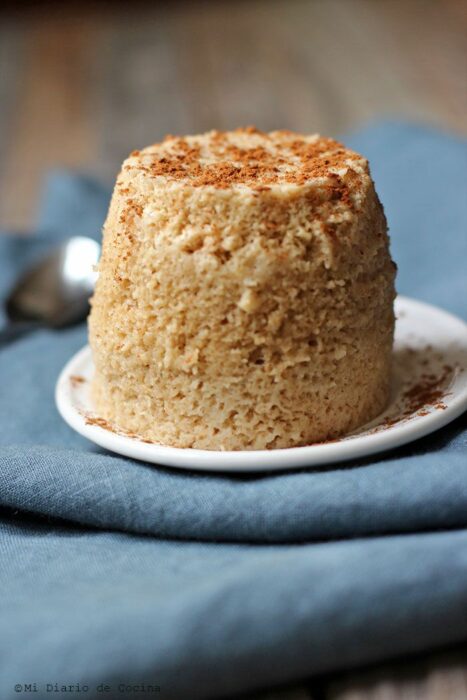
(282,459)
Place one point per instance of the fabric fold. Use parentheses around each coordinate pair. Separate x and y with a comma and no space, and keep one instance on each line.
(397,494)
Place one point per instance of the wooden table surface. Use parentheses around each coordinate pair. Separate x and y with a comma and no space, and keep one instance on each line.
(82,84)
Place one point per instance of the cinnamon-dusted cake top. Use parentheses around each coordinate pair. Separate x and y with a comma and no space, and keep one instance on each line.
(246,157)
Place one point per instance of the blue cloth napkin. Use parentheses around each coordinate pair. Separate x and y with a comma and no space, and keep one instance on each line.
(120,574)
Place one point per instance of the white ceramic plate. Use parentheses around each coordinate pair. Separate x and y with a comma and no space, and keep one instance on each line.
(429,390)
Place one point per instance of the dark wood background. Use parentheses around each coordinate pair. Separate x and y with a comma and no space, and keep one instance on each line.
(84,83)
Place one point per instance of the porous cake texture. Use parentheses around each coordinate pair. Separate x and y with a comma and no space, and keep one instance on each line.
(245,293)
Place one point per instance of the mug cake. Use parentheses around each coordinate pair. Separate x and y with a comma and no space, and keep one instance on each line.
(245,293)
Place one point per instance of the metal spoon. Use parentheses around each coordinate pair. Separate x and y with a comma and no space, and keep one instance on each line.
(55,292)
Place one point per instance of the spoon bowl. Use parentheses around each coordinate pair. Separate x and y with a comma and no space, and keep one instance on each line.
(55,292)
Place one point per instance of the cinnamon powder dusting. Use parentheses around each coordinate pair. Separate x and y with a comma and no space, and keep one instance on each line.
(427,392)
(76,379)
(91,419)
(250,157)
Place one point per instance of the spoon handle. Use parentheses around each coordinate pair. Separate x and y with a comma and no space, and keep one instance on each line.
(15,330)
